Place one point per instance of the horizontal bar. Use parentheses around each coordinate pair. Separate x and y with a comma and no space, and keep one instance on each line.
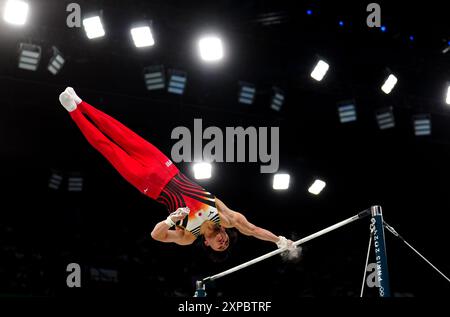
(296,243)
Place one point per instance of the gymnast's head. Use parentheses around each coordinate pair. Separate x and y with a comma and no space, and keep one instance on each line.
(219,243)
(217,239)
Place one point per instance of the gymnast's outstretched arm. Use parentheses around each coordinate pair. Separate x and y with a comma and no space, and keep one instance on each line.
(240,222)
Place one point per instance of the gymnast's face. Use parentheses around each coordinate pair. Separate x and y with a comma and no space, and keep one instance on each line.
(217,239)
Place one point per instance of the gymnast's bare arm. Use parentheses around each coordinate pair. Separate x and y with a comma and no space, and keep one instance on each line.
(179,236)
(238,221)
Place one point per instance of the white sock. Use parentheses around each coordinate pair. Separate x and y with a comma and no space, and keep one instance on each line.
(67,101)
(72,92)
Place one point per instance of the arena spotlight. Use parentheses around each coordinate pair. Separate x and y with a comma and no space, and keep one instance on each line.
(93,27)
(202,170)
(281,181)
(55,180)
(447,100)
(154,77)
(56,62)
(16,12)
(29,56)
(142,36)
(272,18)
(75,183)
(277,99)
(385,118)
(317,187)
(347,111)
(389,84)
(210,48)
(246,93)
(177,81)
(422,124)
(320,70)
(446,48)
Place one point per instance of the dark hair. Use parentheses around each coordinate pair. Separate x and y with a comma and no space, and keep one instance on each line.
(220,256)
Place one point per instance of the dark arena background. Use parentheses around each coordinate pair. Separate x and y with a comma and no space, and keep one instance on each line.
(63,203)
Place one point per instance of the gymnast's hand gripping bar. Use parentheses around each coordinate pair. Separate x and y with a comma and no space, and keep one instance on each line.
(360,215)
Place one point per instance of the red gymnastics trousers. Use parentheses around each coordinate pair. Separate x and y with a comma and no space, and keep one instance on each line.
(138,161)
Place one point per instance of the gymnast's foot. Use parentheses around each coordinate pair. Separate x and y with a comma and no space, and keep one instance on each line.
(71,91)
(69,99)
